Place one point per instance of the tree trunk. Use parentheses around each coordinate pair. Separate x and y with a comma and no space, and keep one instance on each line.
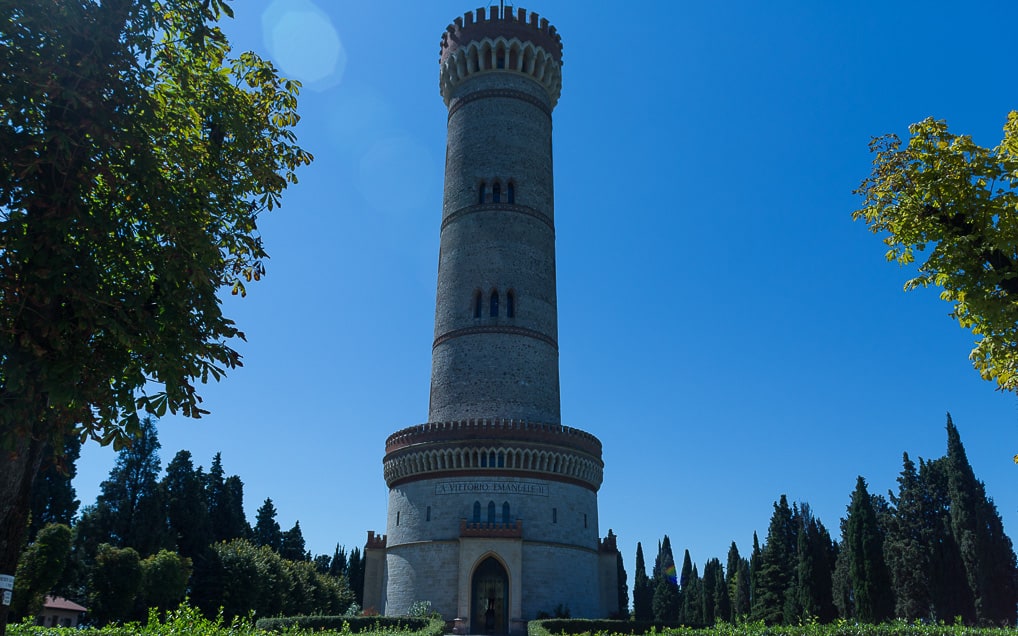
(17,473)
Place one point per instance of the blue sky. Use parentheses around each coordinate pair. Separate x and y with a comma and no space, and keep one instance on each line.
(725,329)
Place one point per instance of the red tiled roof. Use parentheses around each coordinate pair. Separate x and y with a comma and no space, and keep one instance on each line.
(60,603)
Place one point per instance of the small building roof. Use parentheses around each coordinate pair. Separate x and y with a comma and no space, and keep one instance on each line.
(61,603)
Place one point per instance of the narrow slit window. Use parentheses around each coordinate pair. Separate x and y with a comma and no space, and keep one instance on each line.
(491,512)
(397,517)
(510,304)
(493,308)
(496,192)
(477,304)
(428,515)
(510,193)
(554,515)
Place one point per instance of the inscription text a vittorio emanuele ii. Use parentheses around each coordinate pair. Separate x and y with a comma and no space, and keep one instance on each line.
(481,486)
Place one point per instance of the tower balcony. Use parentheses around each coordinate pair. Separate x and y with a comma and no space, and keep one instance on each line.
(507,448)
(491,530)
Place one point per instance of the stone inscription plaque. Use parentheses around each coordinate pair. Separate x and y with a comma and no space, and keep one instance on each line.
(479,486)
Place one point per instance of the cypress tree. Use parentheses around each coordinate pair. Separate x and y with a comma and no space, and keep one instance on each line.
(129,510)
(842,578)
(871,583)
(713,581)
(267,530)
(686,574)
(687,582)
(987,553)
(623,587)
(908,547)
(232,517)
(731,574)
(666,589)
(643,590)
(355,573)
(692,600)
(337,567)
(53,499)
(741,600)
(812,593)
(949,590)
(777,565)
(754,570)
(187,510)
(292,546)
(216,495)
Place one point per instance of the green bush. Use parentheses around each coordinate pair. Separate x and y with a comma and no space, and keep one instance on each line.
(576,627)
(355,624)
(557,626)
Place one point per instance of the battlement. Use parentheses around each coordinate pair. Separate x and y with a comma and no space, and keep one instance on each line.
(375,542)
(497,429)
(494,22)
(609,543)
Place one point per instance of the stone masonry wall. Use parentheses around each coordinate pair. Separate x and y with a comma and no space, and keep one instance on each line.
(483,367)
(560,532)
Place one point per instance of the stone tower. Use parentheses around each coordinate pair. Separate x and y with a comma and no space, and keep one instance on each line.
(492,512)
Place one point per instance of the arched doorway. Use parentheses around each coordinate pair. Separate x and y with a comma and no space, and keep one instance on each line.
(489,598)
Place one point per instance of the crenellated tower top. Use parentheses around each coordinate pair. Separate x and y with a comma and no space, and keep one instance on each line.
(497,39)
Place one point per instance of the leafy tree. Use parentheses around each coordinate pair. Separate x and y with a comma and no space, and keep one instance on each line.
(53,496)
(292,546)
(164,578)
(322,563)
(643,590)
(309,592)
(138,154)
(267,531)
(39,569)
(256,578)
(947,197)
(187,510)
(871,583)
(986,551)
(114,583)
(129,509)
